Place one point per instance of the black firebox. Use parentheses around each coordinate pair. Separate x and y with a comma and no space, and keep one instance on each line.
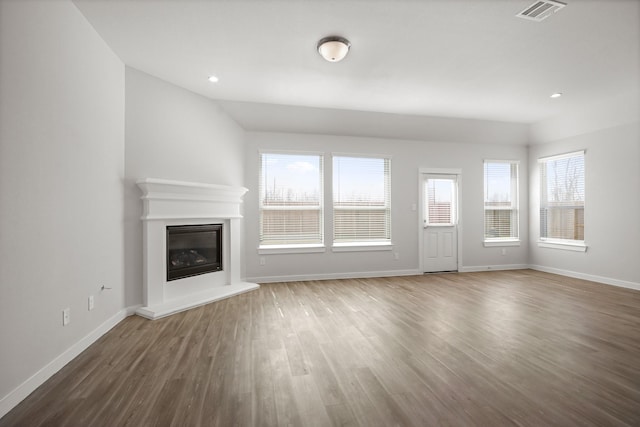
(193,250)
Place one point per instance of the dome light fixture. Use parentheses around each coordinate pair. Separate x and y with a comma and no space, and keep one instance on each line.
(334,48)
(556,95)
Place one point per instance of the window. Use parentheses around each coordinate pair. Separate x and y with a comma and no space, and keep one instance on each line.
(361,200)
(290,199)
(562,198)
(500,201)
(440,200)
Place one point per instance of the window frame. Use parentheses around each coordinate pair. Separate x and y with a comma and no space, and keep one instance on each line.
(553,242)
(513,240)
(283,248)
(363,245)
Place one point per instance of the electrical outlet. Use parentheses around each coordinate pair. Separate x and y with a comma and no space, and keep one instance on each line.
(66,316)
(396,255)
(504,251)
(91,302)
(263,260)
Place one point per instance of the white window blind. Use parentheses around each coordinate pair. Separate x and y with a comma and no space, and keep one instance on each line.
(500,200)
(562,191)
(440,201)
(290,199)
(361,199)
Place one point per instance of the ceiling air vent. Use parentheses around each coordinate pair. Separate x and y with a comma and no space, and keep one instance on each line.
(541,10)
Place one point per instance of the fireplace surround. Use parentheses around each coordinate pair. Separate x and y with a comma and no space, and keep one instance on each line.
(187,206)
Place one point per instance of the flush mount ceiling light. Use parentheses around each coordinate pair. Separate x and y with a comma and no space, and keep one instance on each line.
(333,48)
(213,79)
(556,95)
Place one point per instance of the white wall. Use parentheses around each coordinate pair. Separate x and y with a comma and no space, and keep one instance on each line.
(589,118)
(61,172)
(407,158)
(612,206)
(172,133)
(328,121)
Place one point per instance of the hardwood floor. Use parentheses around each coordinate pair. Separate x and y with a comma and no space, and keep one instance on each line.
(488,349)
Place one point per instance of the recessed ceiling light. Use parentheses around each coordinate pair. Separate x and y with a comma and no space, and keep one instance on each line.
(213,79)
(556,95)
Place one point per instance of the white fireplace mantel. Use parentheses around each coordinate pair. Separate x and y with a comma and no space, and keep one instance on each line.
(168,203)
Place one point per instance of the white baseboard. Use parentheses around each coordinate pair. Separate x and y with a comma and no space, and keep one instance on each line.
(590,277)
(475,268)
(16,396)
(330,276)
(130,311)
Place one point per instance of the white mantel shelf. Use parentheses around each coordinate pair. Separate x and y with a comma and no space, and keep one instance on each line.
(165,199)
(168,203)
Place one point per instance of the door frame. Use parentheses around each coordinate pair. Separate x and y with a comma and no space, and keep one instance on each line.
(421,176)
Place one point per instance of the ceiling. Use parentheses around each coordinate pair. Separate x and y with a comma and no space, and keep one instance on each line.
(438,58)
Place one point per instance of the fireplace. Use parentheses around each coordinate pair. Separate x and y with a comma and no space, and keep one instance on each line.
(193,250)
(190,229)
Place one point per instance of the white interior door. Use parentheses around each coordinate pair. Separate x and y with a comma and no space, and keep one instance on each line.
(440,216)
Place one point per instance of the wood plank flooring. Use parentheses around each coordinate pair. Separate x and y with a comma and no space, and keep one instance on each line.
(489,349)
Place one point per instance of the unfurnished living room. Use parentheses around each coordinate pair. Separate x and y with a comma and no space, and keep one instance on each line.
(319,212)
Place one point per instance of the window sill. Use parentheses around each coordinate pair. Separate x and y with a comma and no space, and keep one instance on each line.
(362,246)
(567,246)
(498,243)
(291,249)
